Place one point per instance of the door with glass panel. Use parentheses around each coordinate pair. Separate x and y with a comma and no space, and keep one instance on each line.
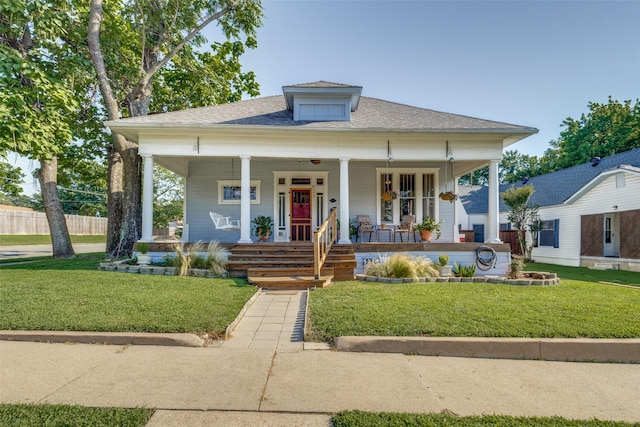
(300,214)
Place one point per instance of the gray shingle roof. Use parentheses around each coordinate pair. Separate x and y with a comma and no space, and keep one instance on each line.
(553,188)
(371,114)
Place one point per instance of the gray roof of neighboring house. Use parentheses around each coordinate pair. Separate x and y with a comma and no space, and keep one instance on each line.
(553,188)
(371,114)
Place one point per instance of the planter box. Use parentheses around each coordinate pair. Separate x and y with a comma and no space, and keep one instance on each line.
(145,270)
(134,269)
(122,268)
(198,272)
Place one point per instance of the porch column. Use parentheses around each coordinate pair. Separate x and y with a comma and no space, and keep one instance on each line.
(493,225)
(245,199)
(344,201)
(147,199)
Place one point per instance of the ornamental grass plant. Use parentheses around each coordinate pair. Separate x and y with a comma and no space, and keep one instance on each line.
(401,266)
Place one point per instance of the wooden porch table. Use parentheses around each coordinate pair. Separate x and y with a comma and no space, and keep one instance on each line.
(387,228)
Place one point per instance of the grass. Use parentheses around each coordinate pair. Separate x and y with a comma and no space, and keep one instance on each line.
(370,419)
(572,309)
(69,415)
(45,239)
(72,295)
(587,275)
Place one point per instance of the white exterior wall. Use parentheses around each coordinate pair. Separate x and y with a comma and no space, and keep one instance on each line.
(599,200)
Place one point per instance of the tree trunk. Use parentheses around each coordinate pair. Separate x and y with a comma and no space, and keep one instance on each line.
(115,197)
(132,163)
(60,239)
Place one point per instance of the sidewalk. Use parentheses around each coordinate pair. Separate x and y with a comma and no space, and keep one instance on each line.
(28,251)
(265,375)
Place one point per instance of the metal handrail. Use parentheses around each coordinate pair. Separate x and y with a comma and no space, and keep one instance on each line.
(323,238)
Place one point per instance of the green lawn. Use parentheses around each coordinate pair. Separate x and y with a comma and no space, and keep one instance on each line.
(70,415)
(587,275)
(44,239)
(571,309)
(73,295)
(370,419)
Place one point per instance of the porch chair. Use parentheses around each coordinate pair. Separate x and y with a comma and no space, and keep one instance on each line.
(224,222)
(406,226)
(364,226)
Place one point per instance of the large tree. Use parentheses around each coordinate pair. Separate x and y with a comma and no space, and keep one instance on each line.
(607,129)
(39,63)
(132,44)
(10,179)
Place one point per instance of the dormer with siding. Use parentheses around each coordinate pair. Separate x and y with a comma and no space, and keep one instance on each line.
(322,101)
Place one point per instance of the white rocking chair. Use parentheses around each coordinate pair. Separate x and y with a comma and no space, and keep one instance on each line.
(224,222)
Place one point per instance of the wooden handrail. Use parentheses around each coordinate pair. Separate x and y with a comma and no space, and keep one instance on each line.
(323,238)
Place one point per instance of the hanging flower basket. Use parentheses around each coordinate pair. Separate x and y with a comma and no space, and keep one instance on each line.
(389,195)
(449,196)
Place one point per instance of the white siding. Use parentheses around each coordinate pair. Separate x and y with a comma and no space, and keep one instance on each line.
(600,199)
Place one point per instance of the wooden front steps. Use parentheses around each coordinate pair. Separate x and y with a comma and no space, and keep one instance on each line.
(286,261)
(289,278)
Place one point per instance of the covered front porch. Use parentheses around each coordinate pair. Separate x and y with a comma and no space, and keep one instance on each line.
(343,261)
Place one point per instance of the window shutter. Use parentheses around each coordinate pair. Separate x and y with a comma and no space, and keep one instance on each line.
(556,233)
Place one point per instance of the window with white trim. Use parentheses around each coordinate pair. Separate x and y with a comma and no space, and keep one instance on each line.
(406,191)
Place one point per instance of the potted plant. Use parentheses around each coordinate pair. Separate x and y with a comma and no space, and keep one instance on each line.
(443,265)
(389,195)
(143,257)
(428,227)
(449,196)
(262,227)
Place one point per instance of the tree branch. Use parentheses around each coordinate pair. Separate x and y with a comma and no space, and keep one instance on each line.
(144,80)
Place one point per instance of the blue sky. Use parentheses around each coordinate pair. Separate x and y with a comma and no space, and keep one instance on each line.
(531,63)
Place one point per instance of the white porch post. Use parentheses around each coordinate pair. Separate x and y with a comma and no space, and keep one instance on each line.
(245,199)
(493,226)
(344,201)
(147,199)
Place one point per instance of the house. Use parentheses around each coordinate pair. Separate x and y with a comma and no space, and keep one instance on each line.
(590,213)
(316,147)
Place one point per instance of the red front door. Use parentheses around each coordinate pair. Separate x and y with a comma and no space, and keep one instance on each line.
(300,215)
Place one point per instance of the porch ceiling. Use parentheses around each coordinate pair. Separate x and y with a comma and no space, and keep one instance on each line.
(180,165)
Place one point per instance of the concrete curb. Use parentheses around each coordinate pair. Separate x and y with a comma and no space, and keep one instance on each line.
(558,349)
(232,325)
(116,338)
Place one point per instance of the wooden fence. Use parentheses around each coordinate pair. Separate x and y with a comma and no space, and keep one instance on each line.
(507,236)
(14,221)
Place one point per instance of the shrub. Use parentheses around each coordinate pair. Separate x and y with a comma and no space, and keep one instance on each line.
(401,266)
(215,261)
(443,260)
(425,267)
(515,267)
(464,270)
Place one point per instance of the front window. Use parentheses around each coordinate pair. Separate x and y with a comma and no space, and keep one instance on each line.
(550,233)
(407,194)
(386,207)
(406,191)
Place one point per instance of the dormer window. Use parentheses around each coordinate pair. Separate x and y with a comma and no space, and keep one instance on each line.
(322,101)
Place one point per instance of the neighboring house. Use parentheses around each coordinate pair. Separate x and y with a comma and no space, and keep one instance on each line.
(319,146)
(591,213)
